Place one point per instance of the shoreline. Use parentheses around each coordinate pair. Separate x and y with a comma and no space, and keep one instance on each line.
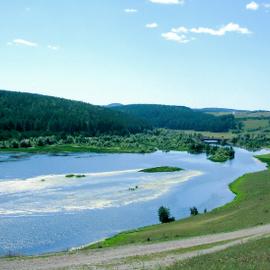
(91,245)
(95,244)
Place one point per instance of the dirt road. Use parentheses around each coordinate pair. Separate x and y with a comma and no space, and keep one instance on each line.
(121,257)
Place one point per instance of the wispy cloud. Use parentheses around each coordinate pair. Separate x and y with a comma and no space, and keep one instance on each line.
(23,42)
(130,10)
(53,47)
(230,27)
(179,38)
(151,25)
(168,2)
(184,35)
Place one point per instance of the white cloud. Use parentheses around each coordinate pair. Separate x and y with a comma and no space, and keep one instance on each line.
(181,29)
(230,27)
(131,10)
(184,35)
(23,42)
(168,2)
(53,47)
(172,36)
(252,6)
(255,6)
(151,25)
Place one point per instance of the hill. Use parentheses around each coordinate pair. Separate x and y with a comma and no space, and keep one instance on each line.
(179,117)
(114,105)
(220,110)
(35,115)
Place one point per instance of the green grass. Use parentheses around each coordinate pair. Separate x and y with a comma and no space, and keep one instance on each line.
(251,207)
(162,169)
(214,135)
(252,124)
(249,256)
(265,159)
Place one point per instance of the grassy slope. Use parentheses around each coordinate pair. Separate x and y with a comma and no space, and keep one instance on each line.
(250,256)
(250,208)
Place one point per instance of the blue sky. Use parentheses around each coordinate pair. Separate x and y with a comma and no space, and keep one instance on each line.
(198,53)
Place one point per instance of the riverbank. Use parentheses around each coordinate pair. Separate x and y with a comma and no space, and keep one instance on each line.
(249,208)
(74,148)
(148,142)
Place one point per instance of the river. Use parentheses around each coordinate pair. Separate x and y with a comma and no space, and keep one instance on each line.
(42,210)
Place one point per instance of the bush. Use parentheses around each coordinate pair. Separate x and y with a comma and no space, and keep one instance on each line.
(164,215)
(194,211)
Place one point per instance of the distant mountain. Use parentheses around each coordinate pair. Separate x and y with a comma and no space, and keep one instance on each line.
(114,105)
(35,115)
(178,117)
(219,110)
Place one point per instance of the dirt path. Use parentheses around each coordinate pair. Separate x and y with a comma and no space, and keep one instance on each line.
(118,257)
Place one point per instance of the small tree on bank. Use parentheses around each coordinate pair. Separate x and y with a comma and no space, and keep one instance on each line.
(194,211)
(164,215)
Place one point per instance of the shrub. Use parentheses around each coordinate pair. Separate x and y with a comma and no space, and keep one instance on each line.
(194,211)
(164,215)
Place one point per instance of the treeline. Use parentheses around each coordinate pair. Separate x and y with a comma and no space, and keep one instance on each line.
(178,117)
(251,141)
(147,142)
(25,115)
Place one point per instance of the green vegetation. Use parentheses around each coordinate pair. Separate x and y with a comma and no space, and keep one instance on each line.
(133,188)
(164,215)
(249,256)
(179,117)
(251,207)
(147,142)
(252,141)
(75,176)
(255,124)
(60,125)
(20,119)
(265,159)
(221,154)
(162,169)
(194,211)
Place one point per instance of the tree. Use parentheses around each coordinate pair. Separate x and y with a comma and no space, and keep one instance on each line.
(164,215)
(194,211)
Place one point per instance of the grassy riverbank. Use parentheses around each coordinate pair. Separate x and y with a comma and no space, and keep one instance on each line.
(250,208)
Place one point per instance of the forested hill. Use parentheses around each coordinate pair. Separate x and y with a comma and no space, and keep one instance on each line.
(35,115)
(179,117)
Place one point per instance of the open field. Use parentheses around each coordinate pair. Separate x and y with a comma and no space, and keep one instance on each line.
(208,134)
(250,208)
(255,124)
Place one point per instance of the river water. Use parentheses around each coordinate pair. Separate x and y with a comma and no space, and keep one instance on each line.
(42,210)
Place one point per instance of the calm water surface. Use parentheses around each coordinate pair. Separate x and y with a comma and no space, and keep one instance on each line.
(42,211)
